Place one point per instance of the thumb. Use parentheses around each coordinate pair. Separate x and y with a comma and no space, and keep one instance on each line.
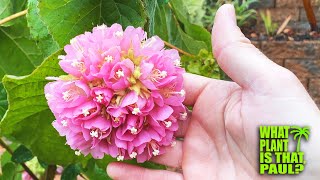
(235,54)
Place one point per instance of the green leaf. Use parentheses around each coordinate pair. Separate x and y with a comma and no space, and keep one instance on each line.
(194,31)
(21,154)
(168,28)
(19,54)
(66,19)
(203,64)
(3,101)
(39,31)
(8,171)
(29,119)
(93,171)
(151,6)
(71,172)
(9,7)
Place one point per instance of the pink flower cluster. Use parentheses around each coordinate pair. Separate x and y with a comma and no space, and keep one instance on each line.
(122,96)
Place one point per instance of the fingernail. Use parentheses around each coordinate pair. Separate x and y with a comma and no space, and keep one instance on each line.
(230,12)
(227,11)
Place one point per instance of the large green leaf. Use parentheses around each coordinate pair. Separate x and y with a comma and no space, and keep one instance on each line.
(29,119)
(9,7)
(63,20)
(168,28)
(19,54)
(195,31)
(3,101)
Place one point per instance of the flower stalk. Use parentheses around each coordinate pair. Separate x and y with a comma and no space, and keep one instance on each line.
(25,167)
(14,16)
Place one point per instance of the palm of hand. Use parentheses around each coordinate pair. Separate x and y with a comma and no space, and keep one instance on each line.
(222,138)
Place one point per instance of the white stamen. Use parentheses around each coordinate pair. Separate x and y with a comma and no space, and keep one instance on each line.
(133,130)
(156,152)
(79,65)
(183,116)
(108,58)
(168,124)
(182,92)
(120,158)
(64,123)
(99,98)
(133,155)
(85,112)
(51,78)
(177,62)
(61,57)
(149,43)
(163,74)
(66,95)
(119,34)
(120,73)
(94,133)
(136,111)
(78,153)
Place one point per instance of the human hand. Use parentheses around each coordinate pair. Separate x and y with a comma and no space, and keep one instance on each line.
(221,134)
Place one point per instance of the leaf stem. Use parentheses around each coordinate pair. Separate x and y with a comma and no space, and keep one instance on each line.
(13,16)
(50,172)
(25,167)
(178,49)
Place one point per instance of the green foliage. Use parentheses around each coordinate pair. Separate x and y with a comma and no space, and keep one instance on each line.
(93,171)
(21,154)
(9,171)
(9,7)
(3,101)
(243,12)
(71,172)
(203,64)
(19,54)
(269,25)
(196,11)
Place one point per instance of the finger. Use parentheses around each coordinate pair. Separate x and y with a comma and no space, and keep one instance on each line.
(235,54)
(183,125)
(193,85)
(125,171)
(172,157)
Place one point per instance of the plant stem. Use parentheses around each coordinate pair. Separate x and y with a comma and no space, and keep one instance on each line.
(178,49)
(13,16)
(310,15)
(25,167)
(50,172)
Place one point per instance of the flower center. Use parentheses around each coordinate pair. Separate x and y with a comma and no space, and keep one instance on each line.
(134,130)
(99,98)
(157,75)
(120,73)
(108,59)
(136,111)
(94,133)
(64,123)
(133,155)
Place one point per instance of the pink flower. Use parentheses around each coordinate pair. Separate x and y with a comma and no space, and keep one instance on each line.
(122,96)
